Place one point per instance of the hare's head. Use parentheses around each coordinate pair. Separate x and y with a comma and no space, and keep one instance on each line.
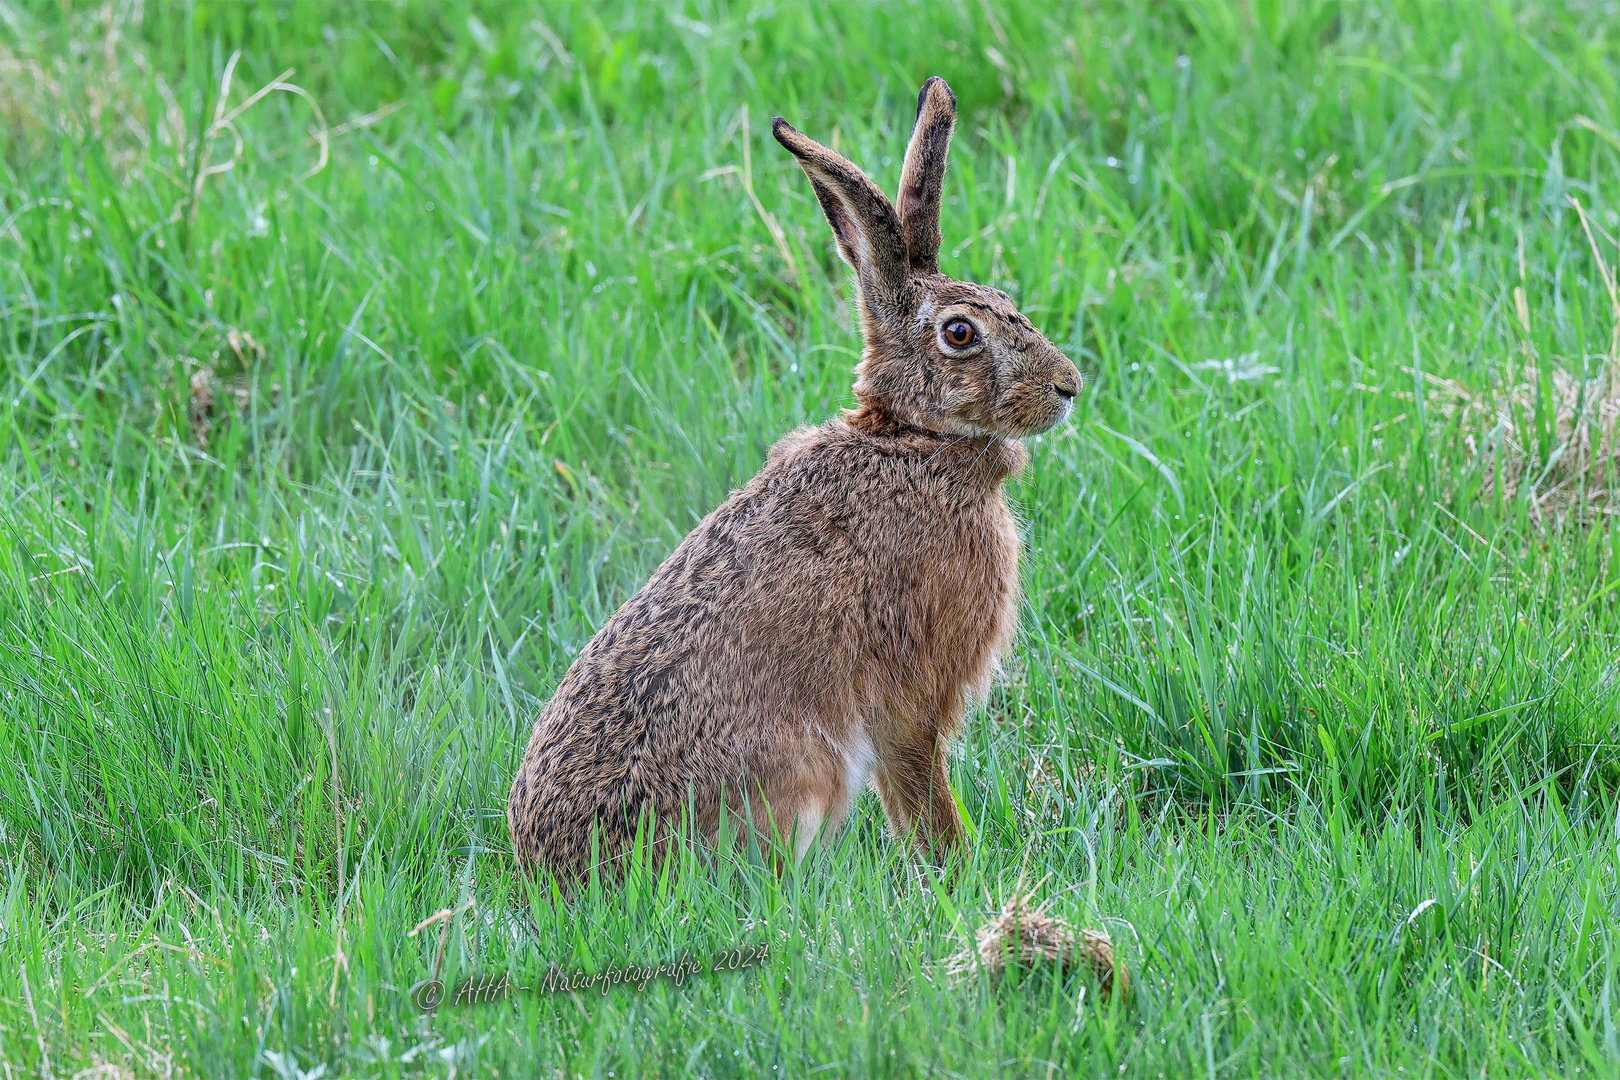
(940,354)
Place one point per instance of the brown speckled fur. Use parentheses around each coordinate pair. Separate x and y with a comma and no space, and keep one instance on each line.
(830,623)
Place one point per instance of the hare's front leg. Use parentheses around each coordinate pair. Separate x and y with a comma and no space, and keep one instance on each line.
(914,784)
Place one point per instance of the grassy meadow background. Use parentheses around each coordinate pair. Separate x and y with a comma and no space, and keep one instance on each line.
(356,361)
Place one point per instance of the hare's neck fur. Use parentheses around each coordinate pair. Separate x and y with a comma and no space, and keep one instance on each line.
(987,458)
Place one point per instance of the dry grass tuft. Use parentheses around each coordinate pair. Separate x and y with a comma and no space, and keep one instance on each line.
(1574,465)
(101,1069)
(1022,936)
(1550,435)
(1555,436)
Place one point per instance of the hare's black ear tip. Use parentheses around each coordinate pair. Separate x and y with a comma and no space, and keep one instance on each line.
(783,131)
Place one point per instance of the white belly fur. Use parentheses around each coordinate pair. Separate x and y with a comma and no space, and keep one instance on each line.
(859,761)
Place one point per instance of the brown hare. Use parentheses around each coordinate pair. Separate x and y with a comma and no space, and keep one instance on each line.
(829,624)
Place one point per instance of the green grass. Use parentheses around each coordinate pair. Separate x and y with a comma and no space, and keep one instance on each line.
(1300,653)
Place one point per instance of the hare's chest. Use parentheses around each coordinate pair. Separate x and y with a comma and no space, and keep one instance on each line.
(1000,584)
(965,609)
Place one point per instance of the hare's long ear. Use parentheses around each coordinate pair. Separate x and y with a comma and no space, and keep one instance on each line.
(861,216)
(922,179)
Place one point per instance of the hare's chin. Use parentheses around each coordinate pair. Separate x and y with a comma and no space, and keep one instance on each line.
(1065,410)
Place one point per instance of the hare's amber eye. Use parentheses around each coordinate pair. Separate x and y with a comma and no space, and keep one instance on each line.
(959,333)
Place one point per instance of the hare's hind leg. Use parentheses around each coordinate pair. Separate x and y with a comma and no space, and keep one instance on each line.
(913,781)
